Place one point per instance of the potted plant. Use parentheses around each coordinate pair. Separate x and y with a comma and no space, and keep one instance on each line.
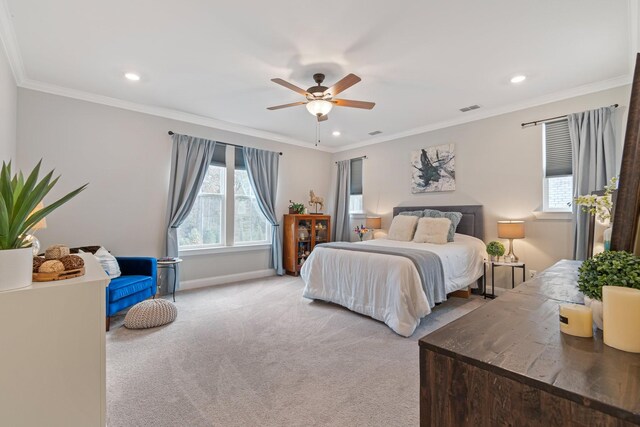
(18,199)
(609,268)
(601,207)
(495,249)
(296,208)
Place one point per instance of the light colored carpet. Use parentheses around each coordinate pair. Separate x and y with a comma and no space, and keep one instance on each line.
(259,354)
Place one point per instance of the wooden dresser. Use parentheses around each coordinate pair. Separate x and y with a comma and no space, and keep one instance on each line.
(300,235)
(508,364)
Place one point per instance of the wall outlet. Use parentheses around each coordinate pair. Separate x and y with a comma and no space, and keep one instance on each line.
(532,274)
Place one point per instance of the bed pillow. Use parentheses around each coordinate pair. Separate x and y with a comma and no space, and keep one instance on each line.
(432,230)
(454,217)
(419,214)
(403,227)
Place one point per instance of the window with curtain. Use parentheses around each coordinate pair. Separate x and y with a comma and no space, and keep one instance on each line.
(203,226)
(250,225)
(558,169)
(355,187)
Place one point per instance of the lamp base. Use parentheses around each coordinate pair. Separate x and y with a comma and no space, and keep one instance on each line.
(511,254)
(35,243)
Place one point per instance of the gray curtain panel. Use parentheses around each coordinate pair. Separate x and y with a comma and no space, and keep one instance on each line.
(190,160)
(341,226)
(262,168)
(594,160)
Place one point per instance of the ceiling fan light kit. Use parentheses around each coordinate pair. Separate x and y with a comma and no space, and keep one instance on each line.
(320,99)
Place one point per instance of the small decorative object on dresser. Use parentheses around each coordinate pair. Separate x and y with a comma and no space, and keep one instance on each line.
(317,201)
(361,231)
(22,196)
(296,208)
(609,268)
(301,234)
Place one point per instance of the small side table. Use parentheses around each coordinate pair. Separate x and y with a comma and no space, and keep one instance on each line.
(495,264)
(171,265)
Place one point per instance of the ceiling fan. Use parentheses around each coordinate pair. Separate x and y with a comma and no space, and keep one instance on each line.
(320,99)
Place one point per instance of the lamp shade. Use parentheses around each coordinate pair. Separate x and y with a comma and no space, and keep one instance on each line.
(43,222)
(374,223)
(319,107)
(511,229)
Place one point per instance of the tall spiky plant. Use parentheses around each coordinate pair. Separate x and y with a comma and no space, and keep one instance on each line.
(18,199)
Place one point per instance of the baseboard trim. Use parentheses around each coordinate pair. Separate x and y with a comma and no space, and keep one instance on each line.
(223,280)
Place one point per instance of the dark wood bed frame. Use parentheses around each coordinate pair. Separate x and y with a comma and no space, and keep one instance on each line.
(471,224)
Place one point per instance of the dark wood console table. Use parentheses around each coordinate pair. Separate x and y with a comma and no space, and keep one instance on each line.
(508,364)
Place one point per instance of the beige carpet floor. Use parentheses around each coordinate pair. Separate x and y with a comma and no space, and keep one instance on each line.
(259,354)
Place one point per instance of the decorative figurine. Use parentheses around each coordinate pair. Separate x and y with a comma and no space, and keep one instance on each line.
(316,200)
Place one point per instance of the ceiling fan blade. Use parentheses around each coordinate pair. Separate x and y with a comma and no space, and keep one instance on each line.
(323,118)
(343,84)
(353,104)
(293,104)
(290,86)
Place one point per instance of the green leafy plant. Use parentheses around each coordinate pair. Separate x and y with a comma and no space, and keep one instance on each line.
(609,268)
(18,199)
(296,207)
(495,248)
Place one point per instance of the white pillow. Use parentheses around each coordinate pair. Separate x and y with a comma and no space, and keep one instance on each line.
(108,262)
(403,227)
(432,230)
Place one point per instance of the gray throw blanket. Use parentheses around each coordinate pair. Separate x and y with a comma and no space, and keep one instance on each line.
(427,263)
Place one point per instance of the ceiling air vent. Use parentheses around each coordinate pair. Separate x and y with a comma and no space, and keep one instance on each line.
(375,132)
(469,108)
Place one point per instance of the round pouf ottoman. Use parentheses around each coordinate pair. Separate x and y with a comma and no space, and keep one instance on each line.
(150,313)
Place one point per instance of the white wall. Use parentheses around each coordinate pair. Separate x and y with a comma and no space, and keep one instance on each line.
(498,165)
(8,105)
(125,158)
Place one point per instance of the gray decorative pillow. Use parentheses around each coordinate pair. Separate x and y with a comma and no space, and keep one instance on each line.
(454,217)
(419,214)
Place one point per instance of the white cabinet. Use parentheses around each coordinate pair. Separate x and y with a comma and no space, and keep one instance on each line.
(52,352)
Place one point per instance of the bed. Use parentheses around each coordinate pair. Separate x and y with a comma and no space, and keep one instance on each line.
(389,287)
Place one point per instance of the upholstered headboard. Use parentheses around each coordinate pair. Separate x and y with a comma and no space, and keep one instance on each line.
(472,222)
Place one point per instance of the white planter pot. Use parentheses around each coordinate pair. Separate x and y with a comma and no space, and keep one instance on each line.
(16,266)
(596,310)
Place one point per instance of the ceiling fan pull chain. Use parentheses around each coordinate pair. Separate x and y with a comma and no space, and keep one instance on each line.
(317,133)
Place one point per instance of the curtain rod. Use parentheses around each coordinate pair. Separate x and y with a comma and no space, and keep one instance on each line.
(225,143)
(535,123)
(356,158)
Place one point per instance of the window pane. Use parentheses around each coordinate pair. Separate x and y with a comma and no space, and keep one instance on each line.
(249,223)
(560,193)
(203,226)
(355,203)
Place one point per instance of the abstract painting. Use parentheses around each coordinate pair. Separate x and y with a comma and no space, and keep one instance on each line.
(433,169)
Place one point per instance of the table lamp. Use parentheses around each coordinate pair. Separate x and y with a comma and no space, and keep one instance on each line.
(373,223)
(31,238)
(511,230)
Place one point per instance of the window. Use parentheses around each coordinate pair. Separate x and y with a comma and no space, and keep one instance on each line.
(355,187)
(203,226)
(206,225)
(558,168)
(250,226)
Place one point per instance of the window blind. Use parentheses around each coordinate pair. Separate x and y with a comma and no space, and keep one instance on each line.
(355,186)
(239,162)
(219,155)
(558,156)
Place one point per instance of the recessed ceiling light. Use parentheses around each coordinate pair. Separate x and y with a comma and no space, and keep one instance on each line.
(518,79)
(336,133)
(132,76)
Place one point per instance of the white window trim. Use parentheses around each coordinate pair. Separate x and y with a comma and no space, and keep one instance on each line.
(206,250)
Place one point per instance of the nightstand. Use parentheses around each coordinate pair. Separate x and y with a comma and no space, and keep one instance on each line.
(495,264)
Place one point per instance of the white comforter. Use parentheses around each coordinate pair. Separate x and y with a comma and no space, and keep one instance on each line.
(388,287)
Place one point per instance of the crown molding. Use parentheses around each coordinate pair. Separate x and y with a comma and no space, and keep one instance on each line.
(165,112)
(546,99)
(9,40)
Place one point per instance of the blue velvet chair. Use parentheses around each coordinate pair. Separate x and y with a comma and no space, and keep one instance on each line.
(137,283)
